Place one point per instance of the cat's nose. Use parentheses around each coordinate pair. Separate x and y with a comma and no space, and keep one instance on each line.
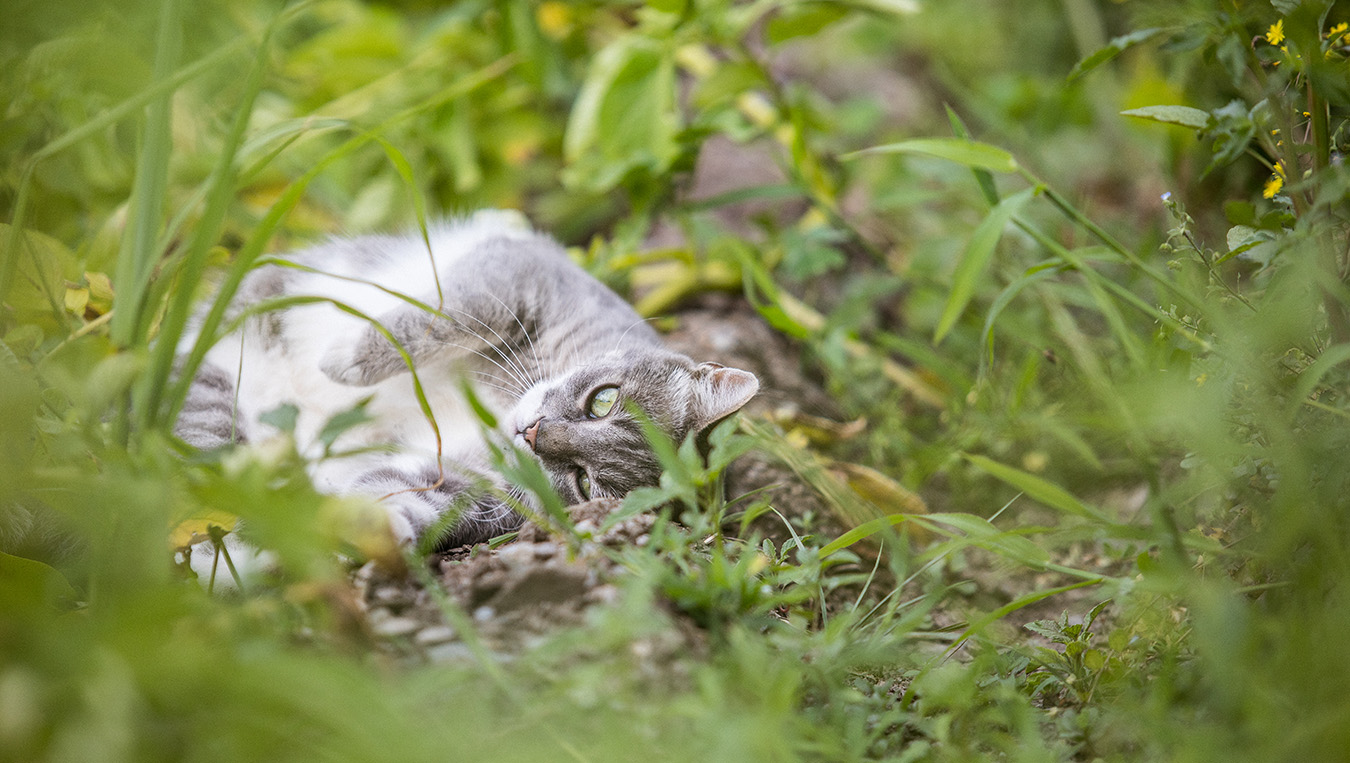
(532,434)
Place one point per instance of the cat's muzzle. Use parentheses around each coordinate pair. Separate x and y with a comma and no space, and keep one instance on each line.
(531,434)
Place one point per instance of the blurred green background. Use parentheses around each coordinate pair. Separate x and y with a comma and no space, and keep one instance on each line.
(1106,350)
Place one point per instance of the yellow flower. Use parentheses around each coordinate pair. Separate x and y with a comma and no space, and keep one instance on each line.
(1275,35)
(1338,30)
(1273,186)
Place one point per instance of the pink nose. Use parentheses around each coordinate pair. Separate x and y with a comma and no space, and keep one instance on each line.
(531,434)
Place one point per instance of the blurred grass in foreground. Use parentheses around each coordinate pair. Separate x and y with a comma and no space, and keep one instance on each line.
(1080,411)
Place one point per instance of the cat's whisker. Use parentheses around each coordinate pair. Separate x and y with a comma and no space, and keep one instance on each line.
(488,358)
(502,349)
(510,390)
(619,342)
(533,350)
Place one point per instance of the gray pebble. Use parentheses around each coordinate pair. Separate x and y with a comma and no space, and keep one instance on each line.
(436,634)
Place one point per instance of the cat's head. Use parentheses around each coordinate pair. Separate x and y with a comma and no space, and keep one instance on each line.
(586,429)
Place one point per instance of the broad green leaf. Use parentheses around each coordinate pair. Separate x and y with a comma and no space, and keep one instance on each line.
(968,152)
(283,417)
(20,396)
(26,584)
(42,263)
(802,20)
(342,421)
(1172,115)
(1113,48)
(625,116)
(975,259)
(1037,488)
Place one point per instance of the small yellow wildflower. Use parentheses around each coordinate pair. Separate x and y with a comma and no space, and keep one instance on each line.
(1275,35)
(1338,30)
(1273,186)
(1201,379)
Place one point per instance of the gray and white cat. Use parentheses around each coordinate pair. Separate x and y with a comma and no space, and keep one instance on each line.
(559,359)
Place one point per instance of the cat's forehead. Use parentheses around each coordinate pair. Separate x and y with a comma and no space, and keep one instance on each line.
(620,368)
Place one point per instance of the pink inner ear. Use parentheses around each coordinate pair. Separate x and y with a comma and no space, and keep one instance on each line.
(723,392)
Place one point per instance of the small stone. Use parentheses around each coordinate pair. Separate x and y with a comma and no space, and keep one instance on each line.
(395,627)
(436,634)
(516,554)
(391,595)
(484,614)
(545,550)
(454,651)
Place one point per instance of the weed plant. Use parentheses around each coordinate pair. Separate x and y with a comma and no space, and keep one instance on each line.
(1109,356)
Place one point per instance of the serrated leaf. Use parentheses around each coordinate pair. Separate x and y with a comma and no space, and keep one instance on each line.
(1172,115)
(975,259)
(968,152)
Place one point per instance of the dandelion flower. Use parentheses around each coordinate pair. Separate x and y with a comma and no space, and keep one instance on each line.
(1275,35)
(1273,186)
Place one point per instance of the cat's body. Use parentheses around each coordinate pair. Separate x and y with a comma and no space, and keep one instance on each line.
(559,359)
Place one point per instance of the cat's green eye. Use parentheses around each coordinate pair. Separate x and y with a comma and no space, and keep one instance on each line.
(584,484)
(602,402)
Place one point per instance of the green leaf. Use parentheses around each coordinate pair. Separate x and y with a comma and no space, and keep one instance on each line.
(975,259)
(282,417)
(1039,489)
(342,421)
(1172,115)
(1312,376)
(982,177)
(802,21)
(625,117)
(968,152)
(862,531)
(982,533)
(1005,297)
(1003,611)
(1113,48)
(26,584)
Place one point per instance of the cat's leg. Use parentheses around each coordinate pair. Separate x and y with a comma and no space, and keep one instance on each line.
(424,499)
(209,417)
(492,310)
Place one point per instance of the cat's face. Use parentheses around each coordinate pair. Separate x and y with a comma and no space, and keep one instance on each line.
(583,429)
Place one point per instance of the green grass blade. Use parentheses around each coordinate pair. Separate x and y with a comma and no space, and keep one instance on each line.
(1037,488)
(247,257)
(220,190)
(975,259)
(982,176)
(137,256)
(968,152)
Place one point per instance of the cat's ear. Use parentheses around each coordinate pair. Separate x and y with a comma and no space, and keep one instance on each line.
(719,392)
